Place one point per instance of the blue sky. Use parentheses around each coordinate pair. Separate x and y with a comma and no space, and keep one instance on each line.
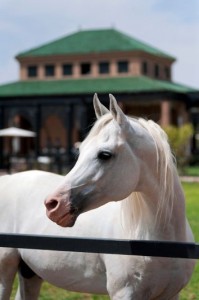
(170,25)
(181,10)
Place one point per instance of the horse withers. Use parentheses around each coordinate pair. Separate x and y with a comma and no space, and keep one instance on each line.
(124,185)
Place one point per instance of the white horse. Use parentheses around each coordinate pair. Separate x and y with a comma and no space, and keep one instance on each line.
(121,158)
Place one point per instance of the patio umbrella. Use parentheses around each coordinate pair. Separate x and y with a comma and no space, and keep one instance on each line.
(16,132)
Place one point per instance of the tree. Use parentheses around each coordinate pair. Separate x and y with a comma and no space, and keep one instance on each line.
(179,139)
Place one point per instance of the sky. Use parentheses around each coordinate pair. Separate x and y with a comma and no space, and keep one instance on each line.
(169,25)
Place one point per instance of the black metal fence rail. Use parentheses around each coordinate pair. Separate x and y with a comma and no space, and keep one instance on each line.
(108,246)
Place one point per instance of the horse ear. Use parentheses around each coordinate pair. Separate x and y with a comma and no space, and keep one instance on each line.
(99,108)
(116,111)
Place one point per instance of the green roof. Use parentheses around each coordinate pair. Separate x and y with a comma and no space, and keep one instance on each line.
(93,41)
(90,86)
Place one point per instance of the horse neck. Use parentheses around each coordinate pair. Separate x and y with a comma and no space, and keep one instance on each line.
(157,210)
(155,213)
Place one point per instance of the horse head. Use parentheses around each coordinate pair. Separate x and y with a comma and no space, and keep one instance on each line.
(109,166)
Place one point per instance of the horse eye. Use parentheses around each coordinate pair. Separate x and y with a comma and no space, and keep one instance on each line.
(104,155)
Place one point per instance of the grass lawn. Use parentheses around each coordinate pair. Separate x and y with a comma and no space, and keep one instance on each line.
(191,292)
(192,197)
(191,171)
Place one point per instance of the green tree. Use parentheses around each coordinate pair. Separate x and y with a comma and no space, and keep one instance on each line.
(179,139)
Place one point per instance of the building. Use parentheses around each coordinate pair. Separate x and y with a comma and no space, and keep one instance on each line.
(57,81)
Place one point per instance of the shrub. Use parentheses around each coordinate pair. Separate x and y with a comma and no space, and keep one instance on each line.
(179,139)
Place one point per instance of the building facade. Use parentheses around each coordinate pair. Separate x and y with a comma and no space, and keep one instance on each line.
(53,96)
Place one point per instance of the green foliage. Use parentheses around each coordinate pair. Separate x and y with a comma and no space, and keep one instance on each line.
(192,170)
(179,138)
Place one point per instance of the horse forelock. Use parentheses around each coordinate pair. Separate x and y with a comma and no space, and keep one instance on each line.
(99,125)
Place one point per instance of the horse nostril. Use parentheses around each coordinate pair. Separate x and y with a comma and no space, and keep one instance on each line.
(51,204)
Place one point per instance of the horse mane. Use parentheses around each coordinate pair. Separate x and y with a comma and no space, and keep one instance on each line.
(135,214)
(134,208)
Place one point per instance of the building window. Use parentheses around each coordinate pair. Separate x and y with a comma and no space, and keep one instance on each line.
(85,68)
(144,68)
(167,72)
(49,70)
(122,66)
(67,69)
(32,71)
(156,71)
(104,68)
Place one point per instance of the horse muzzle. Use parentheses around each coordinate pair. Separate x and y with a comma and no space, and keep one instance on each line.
(60,210)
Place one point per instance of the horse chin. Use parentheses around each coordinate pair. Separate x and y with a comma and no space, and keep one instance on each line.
(68,220)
